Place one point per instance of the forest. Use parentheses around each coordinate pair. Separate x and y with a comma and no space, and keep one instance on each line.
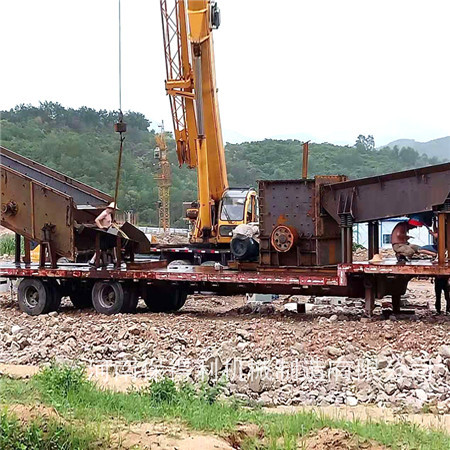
(81,143)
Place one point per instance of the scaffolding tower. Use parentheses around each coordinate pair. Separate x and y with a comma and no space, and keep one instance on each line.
(163,180)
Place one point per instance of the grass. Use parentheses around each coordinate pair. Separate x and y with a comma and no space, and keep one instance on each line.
(8,244)
(200,408)
(43,435)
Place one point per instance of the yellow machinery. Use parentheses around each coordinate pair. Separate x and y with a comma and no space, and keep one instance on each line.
(191,85)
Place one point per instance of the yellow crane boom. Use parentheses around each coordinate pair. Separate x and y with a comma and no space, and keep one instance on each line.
(191,85)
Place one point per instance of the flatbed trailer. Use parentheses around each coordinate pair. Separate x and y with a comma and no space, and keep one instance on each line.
(306,238)
(114,290)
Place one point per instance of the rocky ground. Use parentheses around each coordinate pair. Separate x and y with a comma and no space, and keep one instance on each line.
(329,356)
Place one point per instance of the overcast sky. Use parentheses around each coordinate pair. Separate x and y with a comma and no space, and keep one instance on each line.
(324,70)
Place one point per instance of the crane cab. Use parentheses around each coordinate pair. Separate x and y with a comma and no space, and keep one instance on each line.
(238,206)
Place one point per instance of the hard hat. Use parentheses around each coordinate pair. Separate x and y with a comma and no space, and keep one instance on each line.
(377,258)
(415,223)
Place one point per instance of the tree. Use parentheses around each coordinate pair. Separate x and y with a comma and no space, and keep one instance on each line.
(365,143)
(81,143)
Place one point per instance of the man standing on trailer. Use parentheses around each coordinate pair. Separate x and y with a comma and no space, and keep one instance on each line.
(104,222)
(105,219)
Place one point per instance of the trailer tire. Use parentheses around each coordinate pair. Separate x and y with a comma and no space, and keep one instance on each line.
(56,294)
(35,297)
(108,297)
(159,299)
(179,262)
(131,299)
(208,263)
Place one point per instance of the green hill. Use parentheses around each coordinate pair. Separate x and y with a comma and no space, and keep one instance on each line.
(82,144)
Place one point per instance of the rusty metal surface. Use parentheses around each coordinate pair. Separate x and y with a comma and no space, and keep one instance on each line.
(143,244)
(196,274)
(392,195)
(346,279)
(295,204)
(35,197)
(390,267)
(81,193)
(37,206)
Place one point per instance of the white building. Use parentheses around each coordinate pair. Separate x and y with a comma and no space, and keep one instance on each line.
(420,235)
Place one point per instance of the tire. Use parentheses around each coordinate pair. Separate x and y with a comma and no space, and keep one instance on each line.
(35,297)
(131,298)
(159,299)
(108,297)
(63,260)
(208,263)
(178,262)
(56,294)
(81,295)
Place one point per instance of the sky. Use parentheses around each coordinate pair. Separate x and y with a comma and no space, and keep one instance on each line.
(323,70)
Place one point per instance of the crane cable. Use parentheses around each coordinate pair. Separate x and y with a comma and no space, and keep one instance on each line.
(120,61)
(120,126)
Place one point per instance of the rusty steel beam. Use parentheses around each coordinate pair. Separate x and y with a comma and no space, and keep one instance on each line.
(392,195)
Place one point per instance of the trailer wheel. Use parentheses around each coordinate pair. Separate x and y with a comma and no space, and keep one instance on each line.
(56,294)
(130,299)
(159,299)
(177,263)
(208,263)
(81,295)
(108,297)
(35,297)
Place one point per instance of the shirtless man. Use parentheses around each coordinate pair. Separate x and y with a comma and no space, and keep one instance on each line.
(399,240)
(104,220)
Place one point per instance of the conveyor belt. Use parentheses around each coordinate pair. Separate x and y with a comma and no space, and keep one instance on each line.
(81,193)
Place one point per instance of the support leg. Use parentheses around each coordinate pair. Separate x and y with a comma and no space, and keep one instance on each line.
(343,245)
(132,252)
(27,257)
(53,256)
(396,303)
(17,248)
(441,238)
(97,250)
(448,234)
(349,243)
(371,230)
(376,237)
(369,299)
(43,254)
(118,252)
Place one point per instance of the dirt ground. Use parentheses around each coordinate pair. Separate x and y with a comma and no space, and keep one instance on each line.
(329,439)
(171,435)
(206,321)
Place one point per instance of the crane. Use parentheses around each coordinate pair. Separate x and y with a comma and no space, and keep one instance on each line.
(191,86)
(163,180)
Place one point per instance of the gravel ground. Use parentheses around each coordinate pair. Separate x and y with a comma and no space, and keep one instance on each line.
(329,356)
